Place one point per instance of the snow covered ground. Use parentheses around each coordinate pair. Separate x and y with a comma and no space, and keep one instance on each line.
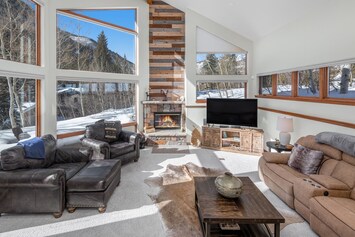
(232,93)
(8,139)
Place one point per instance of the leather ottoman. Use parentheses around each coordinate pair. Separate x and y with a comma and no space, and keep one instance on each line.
(93,185)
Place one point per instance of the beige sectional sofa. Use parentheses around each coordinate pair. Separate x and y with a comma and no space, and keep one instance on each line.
(326,199)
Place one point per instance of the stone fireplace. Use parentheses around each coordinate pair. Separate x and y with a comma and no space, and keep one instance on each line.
(164,122)
(167,120)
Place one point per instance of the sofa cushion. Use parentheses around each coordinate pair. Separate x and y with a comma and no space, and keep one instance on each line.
(329,182)
(305,160)
(70,168)
(97,175)
(337,213)
(310,142)
(345,173)
(73,154)
(120,148)
(349,159)
(13,158)
(96,131)
(343,142)
(327,165)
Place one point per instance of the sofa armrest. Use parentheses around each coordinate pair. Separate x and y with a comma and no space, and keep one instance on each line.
(98,147)
(130,137)
(278,158)
(329,182)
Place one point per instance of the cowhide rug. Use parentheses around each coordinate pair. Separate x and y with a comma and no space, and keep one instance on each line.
(176,199)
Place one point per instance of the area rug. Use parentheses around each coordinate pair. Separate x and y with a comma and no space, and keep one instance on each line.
(175,199)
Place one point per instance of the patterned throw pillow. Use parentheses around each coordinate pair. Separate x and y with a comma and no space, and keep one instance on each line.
(112,130)
(305,160)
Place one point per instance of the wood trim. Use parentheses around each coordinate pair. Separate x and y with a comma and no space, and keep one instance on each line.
(195,106)
(38,62)
(93,20)
(294,78)
(310,99)
(150,2)
(70,134)
(274,84)
(201,101)
(245,90)
(77,133)
(314,118)
(323,82)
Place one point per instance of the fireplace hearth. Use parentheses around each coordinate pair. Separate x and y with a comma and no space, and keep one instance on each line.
(167,120)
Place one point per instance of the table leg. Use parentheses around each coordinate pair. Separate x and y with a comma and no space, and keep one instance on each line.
(277,230)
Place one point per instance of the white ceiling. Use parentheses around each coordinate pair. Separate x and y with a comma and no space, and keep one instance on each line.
(252,19)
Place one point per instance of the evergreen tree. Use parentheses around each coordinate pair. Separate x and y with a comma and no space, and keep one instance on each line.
(210,65)
(102,59)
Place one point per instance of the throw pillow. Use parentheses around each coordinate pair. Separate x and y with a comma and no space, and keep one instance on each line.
(305,160)
(112,130)
(343,142)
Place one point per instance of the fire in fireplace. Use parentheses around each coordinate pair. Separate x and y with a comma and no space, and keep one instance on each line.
(167,120)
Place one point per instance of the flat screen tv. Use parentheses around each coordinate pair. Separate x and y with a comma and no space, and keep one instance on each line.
(238,112)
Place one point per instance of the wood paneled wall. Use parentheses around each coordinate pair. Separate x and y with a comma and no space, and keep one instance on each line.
(167,51)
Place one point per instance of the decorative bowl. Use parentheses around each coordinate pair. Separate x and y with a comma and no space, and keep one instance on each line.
(229,185)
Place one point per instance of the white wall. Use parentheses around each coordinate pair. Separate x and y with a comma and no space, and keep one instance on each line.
(325,35)
(52,74)
(195,115)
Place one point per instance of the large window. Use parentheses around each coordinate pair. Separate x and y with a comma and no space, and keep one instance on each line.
(82,103)
(265,86)
(341,81)
(221,64)
(18,31)
(222,89)
(17,105)
(308,83)
(97,40)
(334,84)
(284,84)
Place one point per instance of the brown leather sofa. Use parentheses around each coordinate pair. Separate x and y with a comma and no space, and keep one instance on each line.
(326,199)
(66,177)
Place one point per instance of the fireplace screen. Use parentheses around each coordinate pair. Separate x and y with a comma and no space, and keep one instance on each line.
(168,120)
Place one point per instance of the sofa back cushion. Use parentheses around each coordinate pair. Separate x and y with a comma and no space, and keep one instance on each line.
(349,159)
(14,157)
(327,166)
(345,172)
(310,142)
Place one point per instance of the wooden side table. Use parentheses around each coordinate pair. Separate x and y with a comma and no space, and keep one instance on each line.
(279,148)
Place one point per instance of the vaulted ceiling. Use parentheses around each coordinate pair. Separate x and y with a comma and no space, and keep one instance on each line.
(253,19)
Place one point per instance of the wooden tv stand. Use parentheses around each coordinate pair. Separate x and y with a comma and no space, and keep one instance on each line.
(242,140)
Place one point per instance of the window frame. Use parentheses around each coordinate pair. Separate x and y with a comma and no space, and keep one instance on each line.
(323,89)
(31,71)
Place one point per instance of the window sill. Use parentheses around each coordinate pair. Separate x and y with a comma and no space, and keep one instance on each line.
(350,102)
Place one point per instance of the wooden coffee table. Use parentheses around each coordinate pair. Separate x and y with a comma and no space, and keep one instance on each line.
(251,211)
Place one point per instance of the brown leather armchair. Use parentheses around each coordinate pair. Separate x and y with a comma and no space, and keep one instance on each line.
(109,141)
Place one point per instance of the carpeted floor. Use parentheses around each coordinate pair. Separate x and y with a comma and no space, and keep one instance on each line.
(130,211)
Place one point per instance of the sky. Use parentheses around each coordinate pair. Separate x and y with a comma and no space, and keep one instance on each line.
(120,42)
